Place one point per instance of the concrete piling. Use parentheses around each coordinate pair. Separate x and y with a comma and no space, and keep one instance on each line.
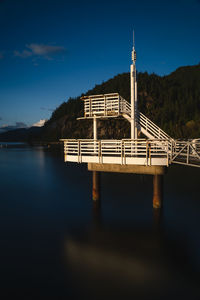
(157,191)
(96,186)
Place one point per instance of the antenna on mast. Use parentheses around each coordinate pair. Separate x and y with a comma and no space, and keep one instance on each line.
(133,80)
(134,52)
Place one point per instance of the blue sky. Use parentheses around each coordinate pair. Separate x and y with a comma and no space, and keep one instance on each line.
(51,50)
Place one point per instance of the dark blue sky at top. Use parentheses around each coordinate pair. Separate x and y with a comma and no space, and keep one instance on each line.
(52,50)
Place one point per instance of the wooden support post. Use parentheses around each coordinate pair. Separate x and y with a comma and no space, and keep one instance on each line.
(95,128)
(96,199)
(157,191)
(96,186)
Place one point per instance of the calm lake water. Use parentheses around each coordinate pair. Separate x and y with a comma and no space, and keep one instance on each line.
(55,244)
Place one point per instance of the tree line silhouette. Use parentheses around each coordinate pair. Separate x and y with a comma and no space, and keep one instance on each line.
(172,102)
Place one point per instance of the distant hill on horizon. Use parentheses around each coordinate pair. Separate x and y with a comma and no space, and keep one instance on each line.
(20,134)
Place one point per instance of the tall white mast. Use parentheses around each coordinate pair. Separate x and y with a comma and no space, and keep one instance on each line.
(133,80)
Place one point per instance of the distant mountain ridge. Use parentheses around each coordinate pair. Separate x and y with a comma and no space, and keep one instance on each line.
(172,102)
(21,135)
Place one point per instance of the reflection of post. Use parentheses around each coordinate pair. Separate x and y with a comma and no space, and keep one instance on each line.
(97,213)
(96,186)
(157,219)
(157,191)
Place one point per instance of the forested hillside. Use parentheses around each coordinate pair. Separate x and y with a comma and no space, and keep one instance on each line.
(172,102)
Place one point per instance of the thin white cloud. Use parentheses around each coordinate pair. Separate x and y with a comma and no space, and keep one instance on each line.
(40,50)
(45,49)
(39,123)
(46,108)
(23,54)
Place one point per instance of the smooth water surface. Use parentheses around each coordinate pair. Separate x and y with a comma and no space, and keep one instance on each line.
(56,244)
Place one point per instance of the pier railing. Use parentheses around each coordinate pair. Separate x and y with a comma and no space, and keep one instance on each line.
(101,105)
(125,107)
(145,152)
(105,105)
(186,152)
(151,129)
(127,151)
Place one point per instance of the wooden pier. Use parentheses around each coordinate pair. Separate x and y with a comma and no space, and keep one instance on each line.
(151,155)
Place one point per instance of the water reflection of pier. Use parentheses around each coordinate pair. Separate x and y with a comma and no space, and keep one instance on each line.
(128,263)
